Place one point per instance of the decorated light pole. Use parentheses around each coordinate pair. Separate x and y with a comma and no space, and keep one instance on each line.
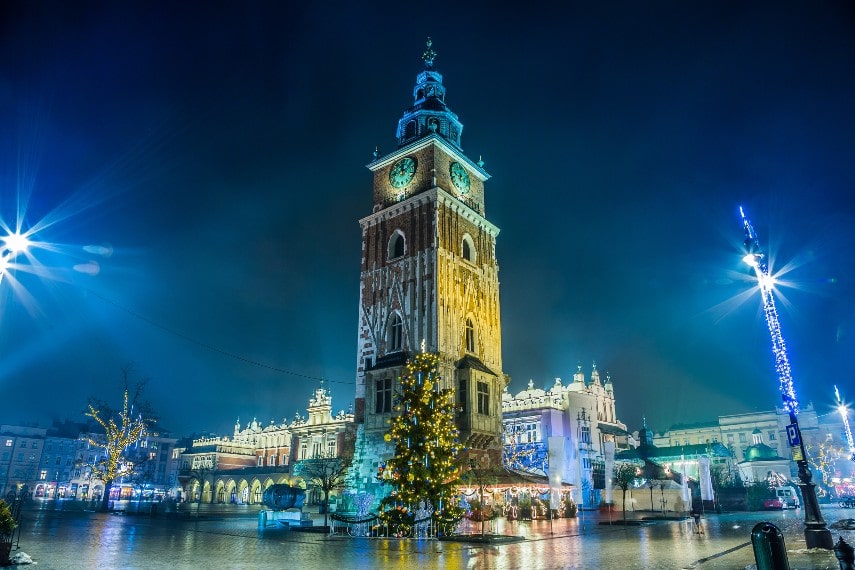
(816,533)
(844,416)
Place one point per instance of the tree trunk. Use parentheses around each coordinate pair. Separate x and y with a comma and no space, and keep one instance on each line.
(105,500)
(624,507)
(326,506)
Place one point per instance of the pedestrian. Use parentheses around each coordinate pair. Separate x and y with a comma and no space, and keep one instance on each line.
(696,515)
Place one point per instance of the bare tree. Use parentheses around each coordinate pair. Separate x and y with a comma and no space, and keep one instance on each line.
(625,474)
(122,428)
(324,473)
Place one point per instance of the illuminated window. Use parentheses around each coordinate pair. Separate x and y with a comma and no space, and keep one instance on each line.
(8,443)
(395,334)
(397,245)
(585,434)
(383,396)
(470,336)
(43,475)
(483,398)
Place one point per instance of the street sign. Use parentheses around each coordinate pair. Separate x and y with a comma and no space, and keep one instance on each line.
(793,435)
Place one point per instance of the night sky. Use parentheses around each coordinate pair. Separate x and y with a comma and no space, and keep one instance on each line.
(201,169)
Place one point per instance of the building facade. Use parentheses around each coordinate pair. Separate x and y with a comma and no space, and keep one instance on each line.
(569,433)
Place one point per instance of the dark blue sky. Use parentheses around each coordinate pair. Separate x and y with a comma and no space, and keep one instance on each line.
(220,149)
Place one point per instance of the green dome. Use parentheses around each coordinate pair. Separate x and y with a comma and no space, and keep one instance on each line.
(760,452)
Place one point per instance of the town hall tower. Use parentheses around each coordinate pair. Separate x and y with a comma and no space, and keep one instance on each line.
(429,278)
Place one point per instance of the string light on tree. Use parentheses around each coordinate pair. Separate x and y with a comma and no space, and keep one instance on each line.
(424,465)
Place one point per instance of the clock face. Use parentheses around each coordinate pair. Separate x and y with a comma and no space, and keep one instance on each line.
(459,177)
(402,172)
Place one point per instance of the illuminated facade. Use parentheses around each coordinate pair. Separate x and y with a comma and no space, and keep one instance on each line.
(569,433)
(238,468)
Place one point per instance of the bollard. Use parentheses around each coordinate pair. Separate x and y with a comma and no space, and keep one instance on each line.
(845,555)
(770,553)
(262,518)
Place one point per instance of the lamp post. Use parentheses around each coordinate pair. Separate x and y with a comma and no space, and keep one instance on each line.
(816,533)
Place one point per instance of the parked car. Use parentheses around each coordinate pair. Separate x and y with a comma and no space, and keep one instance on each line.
(773,504)
(847,501)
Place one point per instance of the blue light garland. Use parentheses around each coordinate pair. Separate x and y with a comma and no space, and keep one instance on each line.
(756,259)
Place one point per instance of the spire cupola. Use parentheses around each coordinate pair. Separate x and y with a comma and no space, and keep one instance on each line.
(429,114)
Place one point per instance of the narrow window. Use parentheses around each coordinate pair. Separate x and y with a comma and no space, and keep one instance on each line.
(470,336)
(468,248)
(462,396)
(395,337)
(483,398)
(383,396)
(396,245)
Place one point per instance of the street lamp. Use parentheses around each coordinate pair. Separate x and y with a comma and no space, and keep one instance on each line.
(13,244)
(816,533)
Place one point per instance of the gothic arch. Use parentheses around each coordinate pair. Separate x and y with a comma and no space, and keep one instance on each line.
(397,245)
(395,333)
(467,249)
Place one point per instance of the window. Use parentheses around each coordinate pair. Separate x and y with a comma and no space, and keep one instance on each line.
(260,461)
(585,434)
(468,248)
(396,245)
(410,130)
(462,396)
(730,438)
(58,460)
(383,396)
(395,334)
(756,438)
(317,449)
(331,448)
(35,444)
(271,460)
(530,432)
(771,436)
(284,459)
(470,336)
(483,398)
(742,438)
(8,443)
(43,474)
(304,450)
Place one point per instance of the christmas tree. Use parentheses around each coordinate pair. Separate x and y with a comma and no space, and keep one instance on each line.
(424,467)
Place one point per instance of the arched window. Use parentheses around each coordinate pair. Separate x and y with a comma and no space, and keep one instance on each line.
(397,245)
(410,130)
(468,248)
(470,336)
(395,334)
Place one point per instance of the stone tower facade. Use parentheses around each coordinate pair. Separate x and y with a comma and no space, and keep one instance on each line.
(429,277)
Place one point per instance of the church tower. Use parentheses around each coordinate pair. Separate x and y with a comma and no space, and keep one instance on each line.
(429,278)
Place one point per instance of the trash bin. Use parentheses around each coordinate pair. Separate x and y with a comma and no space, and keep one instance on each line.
(770,553)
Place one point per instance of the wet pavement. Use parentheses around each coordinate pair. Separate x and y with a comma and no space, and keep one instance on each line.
(70,540)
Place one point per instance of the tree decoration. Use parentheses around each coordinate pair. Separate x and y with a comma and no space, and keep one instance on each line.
(427,445)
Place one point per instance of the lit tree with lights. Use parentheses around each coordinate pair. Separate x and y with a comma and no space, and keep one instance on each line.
(122,428)
(424,466)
